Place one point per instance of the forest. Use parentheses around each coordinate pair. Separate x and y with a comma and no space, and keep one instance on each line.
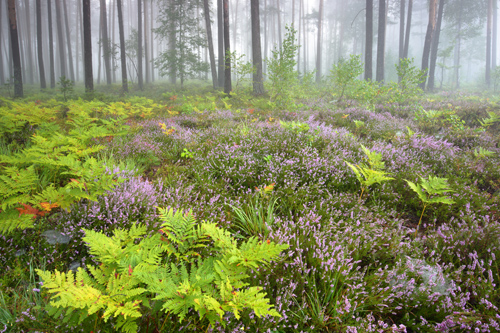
(249,166)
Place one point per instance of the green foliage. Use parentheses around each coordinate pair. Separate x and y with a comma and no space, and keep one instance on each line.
(480,153)
(65,86)
(372,173)
(344,74)
(295,126)
(240,68)
(187,154)
(256,217)
(187,266)
(407,90)
(487,122)
(282,75)
(431,191)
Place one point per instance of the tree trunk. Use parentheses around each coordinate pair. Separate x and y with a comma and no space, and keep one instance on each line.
(220,39)
(206,9)
(300,33)
(99,54)
(435,46)
(51,46)
(494,36)
(488,43)
(402,29)
(431,26)
(29,58)
(105,41)
(258,80)
(265,36)
(318,55)
(152,43)
(381,42)
(87,42)
(369,40)
(139,44)
(39,41)
(146,42)
(2,74)
(408,28)
(77,46)
(122,47)
(280,38)
(68,43)
(60,39)
(16,56)
(227,72)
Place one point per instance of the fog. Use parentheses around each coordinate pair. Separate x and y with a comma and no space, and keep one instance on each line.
(461,59)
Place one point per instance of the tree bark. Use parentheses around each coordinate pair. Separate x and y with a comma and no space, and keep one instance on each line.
(431,26)
(39,41)
(51,46)
(152,44)
(227,49)
(494,36)
(77,44)
(369,40)
(16,55)
(60,39)
(206,9)
(29,51)
(2,74)
(122,47)
(488,43)
(278,9)
(105,41)
(381,42)
(68,43)
(408,28)
(258,80)
(435,46)
(139,44)
(87,42)
(318,52)
(402,29)
(146,42)
(220,38)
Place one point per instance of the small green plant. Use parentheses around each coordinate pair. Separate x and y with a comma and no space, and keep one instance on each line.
(187,153)
(65,86)
(409,79)
(487,122)
(186,266)
(344,74)
(282,75)
(295,126)
(431,191)
(241,69)
(372,173)
(256,217)
(481,153)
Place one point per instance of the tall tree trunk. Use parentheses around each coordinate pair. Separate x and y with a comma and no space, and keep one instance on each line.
(99,54)
(494,36)
(29,58)
(122,47)
(488,43)
(39,42)
(77,46)
(318,52)
(227,72)
(278,9)
(172,40)
(139,44)
(265,36)
(431,26)
(68,43)
(206,9)
(87,42)
(408,28)
(402,29)
(51,46)
(60,39)
(457,50)
(16,55)
(258,80)
(369,40)
(105,41)
(152,43)
(305,48)
(146,42)
(300,33)
(2,74)
(381,42)
(435,46)
(220,39)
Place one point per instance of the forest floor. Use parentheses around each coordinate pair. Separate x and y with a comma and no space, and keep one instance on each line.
(389,212)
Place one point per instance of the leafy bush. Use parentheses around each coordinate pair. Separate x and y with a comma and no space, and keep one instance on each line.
(344,74)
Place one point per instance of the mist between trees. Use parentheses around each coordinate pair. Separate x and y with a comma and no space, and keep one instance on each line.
(137,42)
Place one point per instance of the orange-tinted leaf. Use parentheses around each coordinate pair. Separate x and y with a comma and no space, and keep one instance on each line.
(48,206)
(28,210)
(74,181)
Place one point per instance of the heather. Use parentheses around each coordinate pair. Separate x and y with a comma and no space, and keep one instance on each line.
(327,181)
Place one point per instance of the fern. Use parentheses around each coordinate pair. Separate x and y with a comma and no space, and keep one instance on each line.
(431,191)
(135,269)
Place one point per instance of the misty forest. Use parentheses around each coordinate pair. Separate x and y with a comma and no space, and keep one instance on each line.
(249,166)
